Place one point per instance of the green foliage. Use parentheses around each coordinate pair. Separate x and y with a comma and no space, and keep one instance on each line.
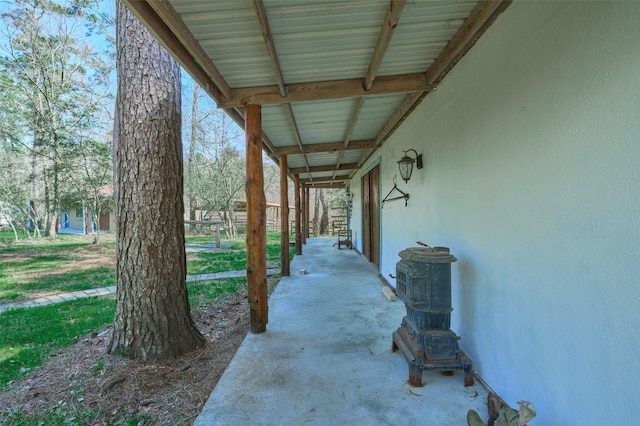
(54,106)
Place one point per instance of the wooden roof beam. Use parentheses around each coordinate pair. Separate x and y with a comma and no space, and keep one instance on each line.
(355,114)
(329,168)
(384,38)
(388,27)
(323,180)
(324,147)
(337,185)
(261,14)
(296,133)
(480,18)
(162,20)
(326,90)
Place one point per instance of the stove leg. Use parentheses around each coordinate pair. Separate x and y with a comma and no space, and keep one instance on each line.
(467,367)
(415,375)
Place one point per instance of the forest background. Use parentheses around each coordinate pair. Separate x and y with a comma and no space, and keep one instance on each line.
(57,92)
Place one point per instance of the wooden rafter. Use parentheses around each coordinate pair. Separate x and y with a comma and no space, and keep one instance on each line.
(483,15)
(324,180)
(355,114)
(329,168)
(384,37)
(326,90)
(339,185)
(324,147)
(388,27)
(261,14)
(474,26)
(296,133)
(167,25)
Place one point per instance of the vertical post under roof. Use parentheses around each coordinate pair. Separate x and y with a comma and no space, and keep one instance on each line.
(303,212)
(285,270)
(256,222)
(296,179)
(308,209)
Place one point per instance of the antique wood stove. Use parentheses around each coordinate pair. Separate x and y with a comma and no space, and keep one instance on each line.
(423,283)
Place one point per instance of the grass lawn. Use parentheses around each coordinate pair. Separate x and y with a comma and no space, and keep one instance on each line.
(30,336)
(234,259)
(37,266)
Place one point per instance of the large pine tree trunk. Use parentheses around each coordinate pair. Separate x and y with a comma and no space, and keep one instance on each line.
(153,319)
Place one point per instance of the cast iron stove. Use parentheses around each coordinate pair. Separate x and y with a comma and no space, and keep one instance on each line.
(423,283)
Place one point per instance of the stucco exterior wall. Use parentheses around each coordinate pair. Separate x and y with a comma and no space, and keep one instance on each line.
(532,177)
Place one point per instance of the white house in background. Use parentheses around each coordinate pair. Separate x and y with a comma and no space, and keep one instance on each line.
(77,218)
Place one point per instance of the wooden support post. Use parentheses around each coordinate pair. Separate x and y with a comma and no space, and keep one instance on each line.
(256,222)
(284,218)
(298,214)
(306,203)
(303,213)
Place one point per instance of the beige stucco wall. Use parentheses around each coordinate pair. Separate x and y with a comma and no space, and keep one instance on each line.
(532,178)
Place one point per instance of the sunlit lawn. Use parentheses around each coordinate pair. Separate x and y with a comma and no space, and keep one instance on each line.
(40,271)
(29,336)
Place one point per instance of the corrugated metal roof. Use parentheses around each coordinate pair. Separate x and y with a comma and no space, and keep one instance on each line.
(315,42)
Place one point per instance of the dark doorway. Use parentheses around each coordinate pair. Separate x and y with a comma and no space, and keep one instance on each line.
(371,216)
(104,221)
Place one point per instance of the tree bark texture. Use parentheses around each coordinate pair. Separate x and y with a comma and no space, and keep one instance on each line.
(153,319)
(296,182)
(284,218)
(256,222)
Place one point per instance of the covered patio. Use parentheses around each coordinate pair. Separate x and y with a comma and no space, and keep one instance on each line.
(524,117)
(326,357)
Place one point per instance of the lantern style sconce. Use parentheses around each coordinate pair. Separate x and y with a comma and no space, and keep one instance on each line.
(405,164)
(349,195)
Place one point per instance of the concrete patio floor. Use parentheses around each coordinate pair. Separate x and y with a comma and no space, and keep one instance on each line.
(326,357)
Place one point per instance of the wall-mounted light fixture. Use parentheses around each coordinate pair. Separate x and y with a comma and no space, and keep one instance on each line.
(349,196)
(405,164)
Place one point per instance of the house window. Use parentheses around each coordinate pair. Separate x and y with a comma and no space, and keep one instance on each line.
(79,212)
